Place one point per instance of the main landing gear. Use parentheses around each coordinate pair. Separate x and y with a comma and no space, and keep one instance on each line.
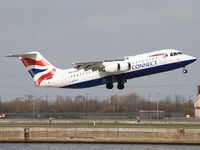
(120,82)
(109,85)
(185,70)
(120,86)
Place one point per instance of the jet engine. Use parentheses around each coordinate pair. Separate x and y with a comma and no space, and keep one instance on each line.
(118,67)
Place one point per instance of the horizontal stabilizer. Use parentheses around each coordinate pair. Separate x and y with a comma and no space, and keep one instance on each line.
(22,55)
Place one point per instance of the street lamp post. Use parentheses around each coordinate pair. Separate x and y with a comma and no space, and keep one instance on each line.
(46,106)
(25,108)
(31,97)
(24,101)
(157,109)
(157,105)
(149,100)
(86,105)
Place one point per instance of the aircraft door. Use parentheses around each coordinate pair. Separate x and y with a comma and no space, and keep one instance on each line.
(163,60)
(64,78)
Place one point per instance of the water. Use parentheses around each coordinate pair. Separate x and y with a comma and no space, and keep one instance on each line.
(95,147)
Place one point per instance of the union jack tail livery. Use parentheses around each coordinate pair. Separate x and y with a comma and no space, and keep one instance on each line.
(38,67)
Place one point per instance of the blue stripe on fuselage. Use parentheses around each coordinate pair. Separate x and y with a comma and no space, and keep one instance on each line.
(131,74)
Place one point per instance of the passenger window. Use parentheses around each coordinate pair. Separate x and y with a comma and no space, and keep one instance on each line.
(171,54)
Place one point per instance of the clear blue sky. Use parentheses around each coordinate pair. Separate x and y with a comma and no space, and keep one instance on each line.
(67,31)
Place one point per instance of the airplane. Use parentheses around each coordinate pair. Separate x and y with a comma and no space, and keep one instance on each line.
(90,74)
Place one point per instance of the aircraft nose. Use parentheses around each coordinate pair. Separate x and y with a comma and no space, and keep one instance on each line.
(193,59)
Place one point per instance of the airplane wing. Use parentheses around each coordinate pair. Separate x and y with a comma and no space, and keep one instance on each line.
(94,66)
(98,65)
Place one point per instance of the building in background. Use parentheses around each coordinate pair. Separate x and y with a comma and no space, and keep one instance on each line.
(151,114)
(197,103)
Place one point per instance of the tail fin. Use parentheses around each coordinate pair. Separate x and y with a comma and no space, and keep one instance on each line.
(38,67)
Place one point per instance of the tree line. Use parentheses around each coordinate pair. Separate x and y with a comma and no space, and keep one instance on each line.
(131,103)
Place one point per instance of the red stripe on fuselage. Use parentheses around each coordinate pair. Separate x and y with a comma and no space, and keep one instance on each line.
(28,62)
(161,54)
(47,75)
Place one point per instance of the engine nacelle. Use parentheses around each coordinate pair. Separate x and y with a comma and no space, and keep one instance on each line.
(125,66)
(112,68)
(118,67)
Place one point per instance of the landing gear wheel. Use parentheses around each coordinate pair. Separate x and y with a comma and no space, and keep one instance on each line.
(120,86)
(109,86)
(185,71)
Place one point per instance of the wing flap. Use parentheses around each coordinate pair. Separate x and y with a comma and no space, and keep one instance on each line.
(96,65)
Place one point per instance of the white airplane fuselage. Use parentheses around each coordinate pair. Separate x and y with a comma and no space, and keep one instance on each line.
(113,71)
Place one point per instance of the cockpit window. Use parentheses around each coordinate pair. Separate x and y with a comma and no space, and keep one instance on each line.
(175,53)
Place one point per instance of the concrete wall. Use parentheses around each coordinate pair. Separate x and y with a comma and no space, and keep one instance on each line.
(197,112)
(101,135)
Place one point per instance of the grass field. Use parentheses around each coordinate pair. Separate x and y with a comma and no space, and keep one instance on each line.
(99,124)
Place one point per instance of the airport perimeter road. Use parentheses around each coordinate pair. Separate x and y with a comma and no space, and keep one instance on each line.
(98,124)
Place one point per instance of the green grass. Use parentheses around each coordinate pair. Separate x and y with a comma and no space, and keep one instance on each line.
(112,124)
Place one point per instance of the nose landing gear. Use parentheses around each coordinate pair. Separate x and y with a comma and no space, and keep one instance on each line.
(185,70)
